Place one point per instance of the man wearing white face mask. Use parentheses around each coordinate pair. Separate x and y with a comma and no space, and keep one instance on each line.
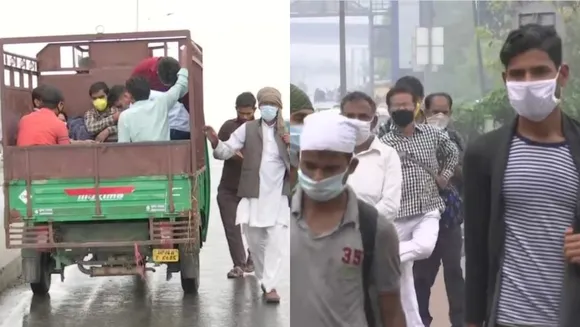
(340,245)
(378,178)
(264,188)
(438,109)
(521,196)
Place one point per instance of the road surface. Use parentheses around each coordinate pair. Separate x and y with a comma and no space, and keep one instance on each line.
(82,301)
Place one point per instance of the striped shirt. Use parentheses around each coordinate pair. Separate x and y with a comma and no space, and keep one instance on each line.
(539,190)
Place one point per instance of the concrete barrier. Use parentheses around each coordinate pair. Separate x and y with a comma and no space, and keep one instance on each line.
(10,263)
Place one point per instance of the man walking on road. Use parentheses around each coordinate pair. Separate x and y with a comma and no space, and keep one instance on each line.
(227,196)
(300,107)
(449,242)
(521,196)
(417,221)
(339,245)
(264,187)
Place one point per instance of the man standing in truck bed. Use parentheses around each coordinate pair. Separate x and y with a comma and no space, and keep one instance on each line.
(147,120)
(264,188)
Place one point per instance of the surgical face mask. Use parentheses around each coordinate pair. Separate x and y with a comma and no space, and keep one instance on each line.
(268,112)
(402,117)
(100,104)
(364,132)
(324,190)
(439,120)
(533,100)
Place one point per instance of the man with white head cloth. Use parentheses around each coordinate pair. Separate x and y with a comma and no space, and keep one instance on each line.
(264,187)
(339,245)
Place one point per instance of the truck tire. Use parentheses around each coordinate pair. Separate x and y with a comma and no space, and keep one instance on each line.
(190,284)
(42,287)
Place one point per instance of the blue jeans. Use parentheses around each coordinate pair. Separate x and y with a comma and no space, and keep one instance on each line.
(179,135)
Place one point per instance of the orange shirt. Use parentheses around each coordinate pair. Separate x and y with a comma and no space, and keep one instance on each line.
(42,127)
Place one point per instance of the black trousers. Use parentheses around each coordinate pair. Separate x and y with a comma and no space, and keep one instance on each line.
(447,250)
(179,135)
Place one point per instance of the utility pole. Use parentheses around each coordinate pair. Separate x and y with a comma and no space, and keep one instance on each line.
(136,15)
(342,40)
(371,50)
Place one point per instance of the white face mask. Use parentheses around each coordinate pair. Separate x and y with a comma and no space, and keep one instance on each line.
(439,120)
(533,100)
(364,132)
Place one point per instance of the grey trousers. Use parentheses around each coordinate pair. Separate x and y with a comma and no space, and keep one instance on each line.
(447,250)
(228,205)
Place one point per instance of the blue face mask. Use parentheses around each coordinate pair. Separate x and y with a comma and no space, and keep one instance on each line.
(324,190)
(294,149)
(268,113)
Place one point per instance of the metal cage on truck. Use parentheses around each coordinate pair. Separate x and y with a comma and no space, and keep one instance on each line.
(111,58)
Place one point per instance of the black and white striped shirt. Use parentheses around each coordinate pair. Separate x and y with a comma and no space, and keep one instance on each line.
(539,190)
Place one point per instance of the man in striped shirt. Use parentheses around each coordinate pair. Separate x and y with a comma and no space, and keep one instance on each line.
(521,195)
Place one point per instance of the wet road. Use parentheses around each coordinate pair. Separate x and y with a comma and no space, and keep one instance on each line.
(82,301)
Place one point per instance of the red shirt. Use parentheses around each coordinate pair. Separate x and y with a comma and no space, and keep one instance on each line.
(148,69)
(42,127)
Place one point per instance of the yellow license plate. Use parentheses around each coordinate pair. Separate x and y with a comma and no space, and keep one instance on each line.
(165,255)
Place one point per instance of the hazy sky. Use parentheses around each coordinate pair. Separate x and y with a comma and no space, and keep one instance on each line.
(246,43)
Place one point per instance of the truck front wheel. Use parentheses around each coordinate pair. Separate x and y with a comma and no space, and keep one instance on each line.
(42,287)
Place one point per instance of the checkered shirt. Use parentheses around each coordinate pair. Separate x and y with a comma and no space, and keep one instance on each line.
(96,122)
(420,193)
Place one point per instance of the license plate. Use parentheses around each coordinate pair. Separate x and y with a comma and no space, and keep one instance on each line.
(165,255)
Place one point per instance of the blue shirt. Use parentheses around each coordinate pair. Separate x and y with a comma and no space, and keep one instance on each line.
(148,120)
(178,115)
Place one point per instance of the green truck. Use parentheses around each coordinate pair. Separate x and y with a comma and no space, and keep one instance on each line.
(109,208)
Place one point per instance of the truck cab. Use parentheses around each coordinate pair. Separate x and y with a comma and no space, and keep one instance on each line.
(122,205)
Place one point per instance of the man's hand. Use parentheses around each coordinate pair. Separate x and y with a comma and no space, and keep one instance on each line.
(211,136)
(286,138)
(239,154)
(441,182)
(572,246)
(116,116)
(81,141)
(103,135)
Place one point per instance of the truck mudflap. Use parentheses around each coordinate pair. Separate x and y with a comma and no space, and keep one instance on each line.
(43,237)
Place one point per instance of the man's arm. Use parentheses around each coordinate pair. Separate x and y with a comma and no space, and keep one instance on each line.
(96,124)
(62,134)
(123,134)
(387,274)
(390,201)
(476,202)
(169,98)
(224,135)
(224,150)
(450,154)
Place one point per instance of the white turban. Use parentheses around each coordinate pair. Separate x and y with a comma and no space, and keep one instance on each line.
(328,131)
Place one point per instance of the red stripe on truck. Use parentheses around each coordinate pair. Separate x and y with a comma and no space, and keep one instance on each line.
(102,190)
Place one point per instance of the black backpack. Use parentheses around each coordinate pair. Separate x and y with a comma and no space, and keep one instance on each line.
(368,216)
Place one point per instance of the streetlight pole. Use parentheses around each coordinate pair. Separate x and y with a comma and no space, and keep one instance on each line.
(342,40)
(136,15)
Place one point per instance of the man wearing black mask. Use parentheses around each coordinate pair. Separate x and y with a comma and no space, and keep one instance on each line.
(417,221)
(227,197)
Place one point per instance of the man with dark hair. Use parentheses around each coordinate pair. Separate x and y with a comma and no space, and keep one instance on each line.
(340,245)
(414,85)
(417,221)
(227,196)
(378,178)
(101,120)
(438,109)
(160,73)
(521,196)
(37,97)
(147,120)
(43,127)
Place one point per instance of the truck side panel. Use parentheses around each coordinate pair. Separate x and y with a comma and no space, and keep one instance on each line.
(74,200)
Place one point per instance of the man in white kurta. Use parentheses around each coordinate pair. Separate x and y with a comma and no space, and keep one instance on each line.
(264,219)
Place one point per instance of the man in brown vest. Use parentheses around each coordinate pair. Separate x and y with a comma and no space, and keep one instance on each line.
(264,187)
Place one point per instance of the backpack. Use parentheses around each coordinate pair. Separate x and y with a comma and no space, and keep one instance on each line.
(368,216)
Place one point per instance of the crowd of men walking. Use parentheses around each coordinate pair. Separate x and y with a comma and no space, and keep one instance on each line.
(373,216)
